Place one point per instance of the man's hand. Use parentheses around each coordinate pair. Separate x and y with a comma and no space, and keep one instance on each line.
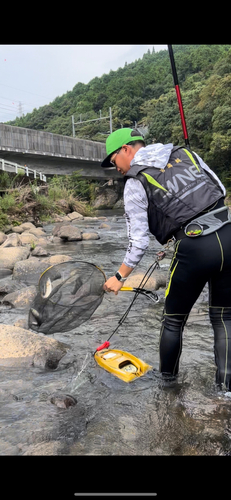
(113,285)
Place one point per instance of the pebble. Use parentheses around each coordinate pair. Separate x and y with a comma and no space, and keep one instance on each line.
(63,400)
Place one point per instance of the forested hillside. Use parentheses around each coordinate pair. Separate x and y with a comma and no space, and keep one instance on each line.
(143,92)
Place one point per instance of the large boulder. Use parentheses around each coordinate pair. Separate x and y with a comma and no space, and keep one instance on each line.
(106,198)
(75,216)
(29,271)
(57,259)
(3,237)
(39,251)
(90,236)
(69,233)
(28,239)
(7,286)
(9,256)
(20,347)
(13,240)
(37,231)
(157,280)
(56,229)
(21,298)
(42,242)
(26,226)
(5,272)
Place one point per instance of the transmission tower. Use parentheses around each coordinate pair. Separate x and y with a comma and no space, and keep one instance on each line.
(20,109)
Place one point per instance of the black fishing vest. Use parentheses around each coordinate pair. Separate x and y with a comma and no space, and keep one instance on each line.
(177,193)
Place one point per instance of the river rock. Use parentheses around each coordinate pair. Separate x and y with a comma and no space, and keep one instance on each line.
(106,198)
(28,239)
(70,233)
(3,237)
(42,242)
(39,251)
(58,218)
(21,298)
(45,448)
(29,271)
(53,240)
(63,400)
(22,323)
(20,347)
(57,259)
(156,281)
(9,256)
(119,203)
(5,272)
(92,219)
(104,226)
(90,236)
(26,226)
(56,229)
(37,231)
(9,286)
(75,216)
(13,240)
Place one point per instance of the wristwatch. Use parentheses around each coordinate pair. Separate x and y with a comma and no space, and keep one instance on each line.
(119,276)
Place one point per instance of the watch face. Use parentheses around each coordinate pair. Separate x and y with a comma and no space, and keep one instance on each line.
(118,276)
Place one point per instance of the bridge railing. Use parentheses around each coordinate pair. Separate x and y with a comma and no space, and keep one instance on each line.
(20,139)
(9,166)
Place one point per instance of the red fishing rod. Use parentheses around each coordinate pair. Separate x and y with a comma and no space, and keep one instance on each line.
(177,88)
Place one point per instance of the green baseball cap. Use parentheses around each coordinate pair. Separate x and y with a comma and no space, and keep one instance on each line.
(116,140)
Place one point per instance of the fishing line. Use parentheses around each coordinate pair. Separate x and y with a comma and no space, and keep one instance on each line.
(143,282)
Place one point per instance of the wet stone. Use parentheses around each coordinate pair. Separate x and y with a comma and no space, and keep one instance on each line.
(63,400)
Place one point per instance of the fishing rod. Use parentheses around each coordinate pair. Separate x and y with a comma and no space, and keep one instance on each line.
(179,99)
(140,289)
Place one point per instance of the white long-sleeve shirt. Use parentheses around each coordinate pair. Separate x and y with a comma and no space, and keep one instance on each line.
(136,204)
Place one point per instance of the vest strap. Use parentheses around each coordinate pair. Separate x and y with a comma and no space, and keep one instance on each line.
(206,223)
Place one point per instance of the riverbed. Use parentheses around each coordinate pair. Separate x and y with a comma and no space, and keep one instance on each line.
(112,417)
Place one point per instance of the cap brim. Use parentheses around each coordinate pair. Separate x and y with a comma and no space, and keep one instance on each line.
(107,163)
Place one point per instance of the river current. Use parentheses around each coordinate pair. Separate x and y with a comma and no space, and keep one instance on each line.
(112,417)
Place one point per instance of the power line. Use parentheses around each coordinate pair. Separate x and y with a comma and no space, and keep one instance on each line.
(7,99)
(27,91)
(8,113)
(17,100)
(7,106)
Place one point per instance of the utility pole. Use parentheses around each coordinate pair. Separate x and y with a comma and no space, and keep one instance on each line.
(94,120)
(73,126)
(110,116)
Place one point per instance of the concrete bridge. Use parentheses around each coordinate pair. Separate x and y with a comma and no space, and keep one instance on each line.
(52,153)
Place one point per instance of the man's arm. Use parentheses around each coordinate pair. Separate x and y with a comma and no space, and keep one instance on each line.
(136,205)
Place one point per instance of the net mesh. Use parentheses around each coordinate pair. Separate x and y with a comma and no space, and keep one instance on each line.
(68,295)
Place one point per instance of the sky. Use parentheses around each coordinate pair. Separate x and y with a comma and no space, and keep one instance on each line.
(34,75)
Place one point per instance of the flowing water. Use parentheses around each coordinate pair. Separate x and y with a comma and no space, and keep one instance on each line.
(112,417)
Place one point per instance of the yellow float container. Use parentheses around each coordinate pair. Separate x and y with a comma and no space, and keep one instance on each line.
(121,364)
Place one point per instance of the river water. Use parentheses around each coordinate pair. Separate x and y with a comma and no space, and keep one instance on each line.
(112,417)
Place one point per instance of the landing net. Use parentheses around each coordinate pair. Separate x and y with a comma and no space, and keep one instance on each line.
(68,295)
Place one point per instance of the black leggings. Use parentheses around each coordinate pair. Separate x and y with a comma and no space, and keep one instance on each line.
(197,261)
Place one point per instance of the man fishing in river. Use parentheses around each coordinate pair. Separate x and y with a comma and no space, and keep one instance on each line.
(170,192)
